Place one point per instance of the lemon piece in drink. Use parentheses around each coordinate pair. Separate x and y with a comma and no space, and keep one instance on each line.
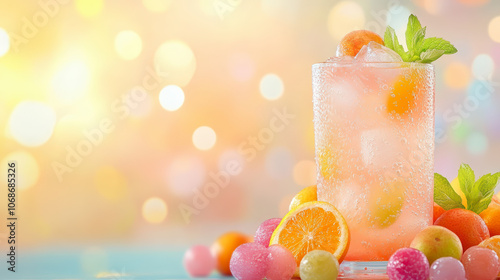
(385,205)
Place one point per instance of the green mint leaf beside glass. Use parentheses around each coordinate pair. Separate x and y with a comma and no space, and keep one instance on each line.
(478,193)
(483,192)
(466,178)
(444,195)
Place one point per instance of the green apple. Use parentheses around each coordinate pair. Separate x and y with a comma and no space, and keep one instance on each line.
(437,242)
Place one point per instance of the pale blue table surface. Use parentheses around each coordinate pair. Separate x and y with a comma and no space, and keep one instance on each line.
(67,264)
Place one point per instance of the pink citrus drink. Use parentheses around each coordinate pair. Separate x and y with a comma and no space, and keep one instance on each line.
(374,129)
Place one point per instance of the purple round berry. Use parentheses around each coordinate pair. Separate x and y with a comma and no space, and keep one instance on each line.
(408,264)
(249,262)
(265,230)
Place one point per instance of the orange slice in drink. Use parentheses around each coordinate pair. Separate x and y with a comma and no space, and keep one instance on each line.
(312,226)
(403,97)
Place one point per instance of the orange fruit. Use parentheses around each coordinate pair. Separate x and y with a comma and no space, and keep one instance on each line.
(491,217)
(492,243)
(467,225)
(438,210)
(355,40)
(315,225)
(223,249)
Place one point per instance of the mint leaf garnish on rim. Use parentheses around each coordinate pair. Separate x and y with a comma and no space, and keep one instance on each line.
(391,41)
(420,49)
(478,193)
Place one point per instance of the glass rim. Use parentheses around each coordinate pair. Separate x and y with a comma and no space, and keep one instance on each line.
(374,64)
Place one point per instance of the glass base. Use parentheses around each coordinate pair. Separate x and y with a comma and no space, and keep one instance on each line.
(363,268)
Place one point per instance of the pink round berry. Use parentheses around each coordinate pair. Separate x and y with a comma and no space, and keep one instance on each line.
(198,261)
(282,263)
(265,230)
(408,264)
(447,268)
(249,262)
(480,263)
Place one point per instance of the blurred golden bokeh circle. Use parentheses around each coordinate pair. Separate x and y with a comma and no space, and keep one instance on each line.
(304,173)
(271,86)
(89,8)
(111,183)
(4,42)
(71,81)
(483,67)
(154,210)
(175,62)
(156,6)
(171,97)
(32,123)
(27,171)
(204,138)
(434,7)
(457,75)
(128,44)
(345,17)
(494,29)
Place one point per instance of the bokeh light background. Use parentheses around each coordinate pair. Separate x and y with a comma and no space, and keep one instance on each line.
(118,112)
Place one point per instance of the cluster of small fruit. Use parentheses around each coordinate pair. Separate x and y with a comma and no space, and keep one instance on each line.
(246,259)
(442,248)
(256,260)
(460,245)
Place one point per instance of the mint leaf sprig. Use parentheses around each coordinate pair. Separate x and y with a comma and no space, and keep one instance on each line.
(478,193)
(420,49)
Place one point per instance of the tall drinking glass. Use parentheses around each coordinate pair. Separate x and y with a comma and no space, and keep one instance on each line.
(374,137)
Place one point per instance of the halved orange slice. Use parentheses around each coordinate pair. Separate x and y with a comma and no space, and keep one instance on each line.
(315,225)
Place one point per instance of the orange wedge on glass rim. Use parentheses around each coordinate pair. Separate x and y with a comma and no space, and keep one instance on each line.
(315,225)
